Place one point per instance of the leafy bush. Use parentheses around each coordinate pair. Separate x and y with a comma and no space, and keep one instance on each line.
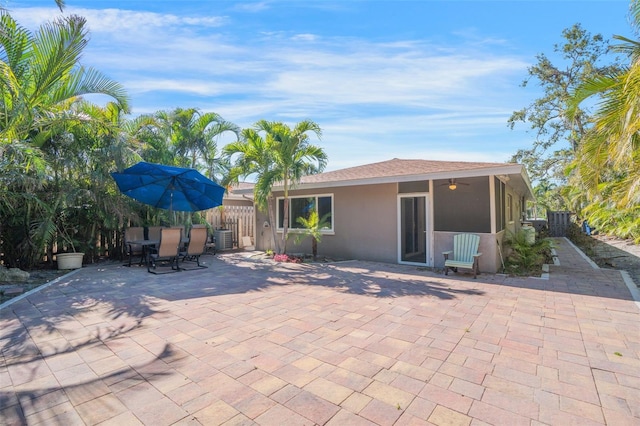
(525,258)
(580,239)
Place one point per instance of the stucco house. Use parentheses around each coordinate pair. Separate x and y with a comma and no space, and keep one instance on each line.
(407,211)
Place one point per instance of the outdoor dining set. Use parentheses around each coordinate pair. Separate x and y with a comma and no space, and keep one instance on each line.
(157,244)
(174,189)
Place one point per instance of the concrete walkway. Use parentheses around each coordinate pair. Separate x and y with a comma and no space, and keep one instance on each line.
(356,343)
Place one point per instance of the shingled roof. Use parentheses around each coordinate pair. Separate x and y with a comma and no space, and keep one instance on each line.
(403,170)
(399,168)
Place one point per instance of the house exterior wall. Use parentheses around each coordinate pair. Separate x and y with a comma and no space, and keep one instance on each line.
(465,209)
(500,258)
(365,224)
(488,262)
(365,221)
(513,224)
(263,239)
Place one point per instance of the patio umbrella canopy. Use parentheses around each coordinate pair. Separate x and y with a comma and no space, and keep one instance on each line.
(169,187)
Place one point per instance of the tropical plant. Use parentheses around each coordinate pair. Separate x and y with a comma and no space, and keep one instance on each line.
(193,138)
(607,165)
(180,137)
(526,258)
(313,227)
(548,196)
(251,156)
(41,78)
(293,157)
(282,157)
(42,152)
(585,242)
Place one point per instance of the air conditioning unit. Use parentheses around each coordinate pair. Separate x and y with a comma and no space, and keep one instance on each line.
(224,239)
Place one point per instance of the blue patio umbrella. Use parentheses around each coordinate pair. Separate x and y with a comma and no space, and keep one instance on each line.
(169,187)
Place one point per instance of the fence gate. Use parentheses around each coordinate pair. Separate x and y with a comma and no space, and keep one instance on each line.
(558,223)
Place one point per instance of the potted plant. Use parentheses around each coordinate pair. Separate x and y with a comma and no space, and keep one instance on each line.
(68,259)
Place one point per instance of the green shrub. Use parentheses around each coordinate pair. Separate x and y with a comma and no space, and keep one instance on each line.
(580,239)
(525,258)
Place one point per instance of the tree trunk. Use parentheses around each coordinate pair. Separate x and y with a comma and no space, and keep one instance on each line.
(285,225)
(314,247)
(274,225)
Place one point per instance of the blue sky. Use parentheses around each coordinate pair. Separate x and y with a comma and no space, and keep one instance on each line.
(406,79)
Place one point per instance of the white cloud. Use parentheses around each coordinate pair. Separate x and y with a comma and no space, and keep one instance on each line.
(252,7)
(196,87)
(295,70)
(304,37)
(368,96)
(116,20)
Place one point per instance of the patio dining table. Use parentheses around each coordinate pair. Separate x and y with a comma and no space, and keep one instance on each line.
(152,243)
(145,247)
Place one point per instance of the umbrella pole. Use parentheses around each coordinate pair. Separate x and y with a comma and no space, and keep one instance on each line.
(171,219)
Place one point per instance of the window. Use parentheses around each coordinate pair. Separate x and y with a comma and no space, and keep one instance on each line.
(509,208)
(303,206)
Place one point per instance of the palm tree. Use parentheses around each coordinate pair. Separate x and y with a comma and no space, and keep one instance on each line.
(542,192)
(252,156)
(194,138)
(111,141)
(293,156)
(41,86)
(608,161)
(313,226)
(41,78)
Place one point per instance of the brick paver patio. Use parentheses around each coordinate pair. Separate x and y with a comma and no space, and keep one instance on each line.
(355,343)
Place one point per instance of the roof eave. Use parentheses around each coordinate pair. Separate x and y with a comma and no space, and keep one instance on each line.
(508,169)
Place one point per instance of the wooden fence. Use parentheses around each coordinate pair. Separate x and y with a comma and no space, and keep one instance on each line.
(558,223)
(238,219)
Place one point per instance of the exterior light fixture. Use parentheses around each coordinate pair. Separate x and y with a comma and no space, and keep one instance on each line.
(452,186)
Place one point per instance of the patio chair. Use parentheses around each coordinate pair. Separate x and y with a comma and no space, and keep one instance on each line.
(196,247)
(183,234)
(153,233)
(182,230)
(210,247)
(465,254)
(131,234)
(167,250)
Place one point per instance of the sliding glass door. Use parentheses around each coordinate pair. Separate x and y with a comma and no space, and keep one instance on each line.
(413,229)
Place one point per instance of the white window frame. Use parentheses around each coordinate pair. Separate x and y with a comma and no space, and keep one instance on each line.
(295,230)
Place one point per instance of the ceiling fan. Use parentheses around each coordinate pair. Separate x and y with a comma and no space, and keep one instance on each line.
(452,184)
